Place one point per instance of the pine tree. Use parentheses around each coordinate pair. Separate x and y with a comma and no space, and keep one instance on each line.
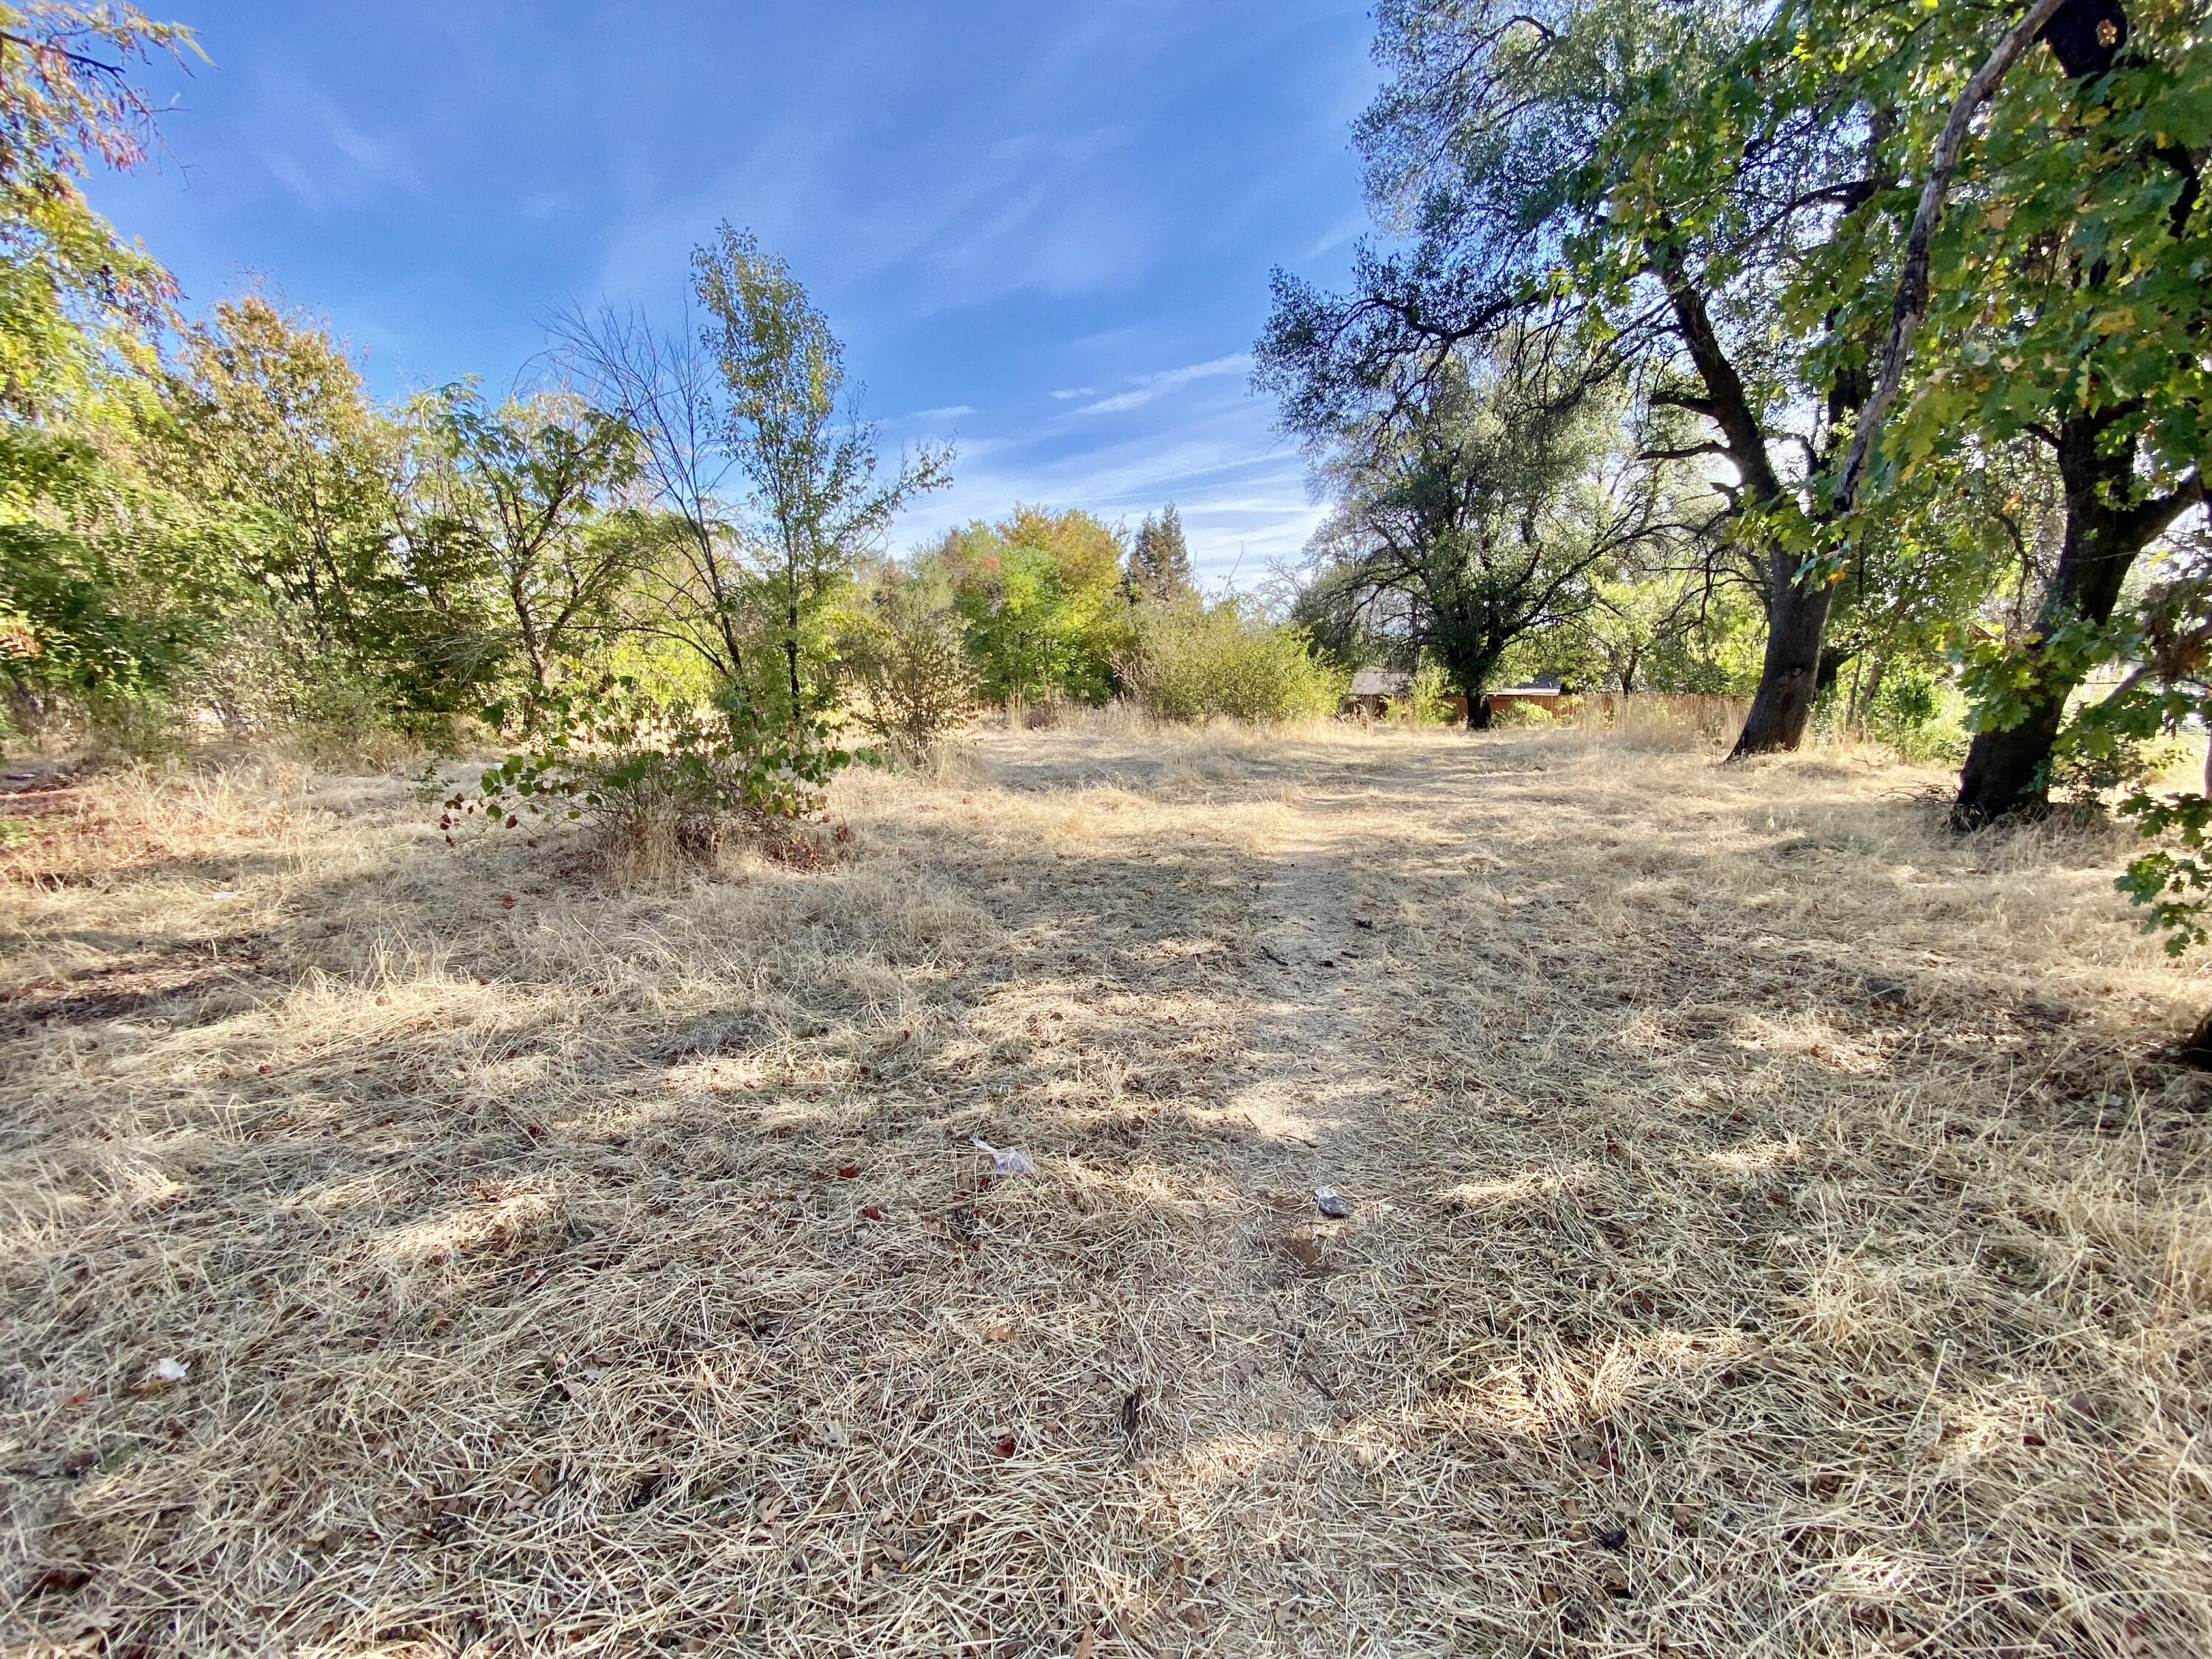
(1159,559)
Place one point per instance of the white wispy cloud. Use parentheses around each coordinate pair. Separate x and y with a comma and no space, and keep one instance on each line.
(1337,235)
(1149,386)
(949,412)
(1240,487)
(964,215)
(294,178)
(1065,392)
(326,158)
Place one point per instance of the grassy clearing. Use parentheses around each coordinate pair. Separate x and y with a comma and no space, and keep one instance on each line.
(1771,1232)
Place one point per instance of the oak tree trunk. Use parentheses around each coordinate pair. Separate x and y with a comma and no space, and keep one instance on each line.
(1789,676)
(2196,1046)
(2008,771)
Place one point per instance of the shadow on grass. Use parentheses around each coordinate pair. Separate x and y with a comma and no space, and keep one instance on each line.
(525,1317)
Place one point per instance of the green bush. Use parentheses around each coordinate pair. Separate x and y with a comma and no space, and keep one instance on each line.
(1194,661)
(905,653)
(1510,715)
(1918,714)
(660,780)
(1427,701)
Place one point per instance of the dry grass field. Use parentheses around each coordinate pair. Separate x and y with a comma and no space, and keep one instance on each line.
(1772,1229)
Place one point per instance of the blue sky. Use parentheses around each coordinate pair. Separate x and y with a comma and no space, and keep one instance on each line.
(1043,230)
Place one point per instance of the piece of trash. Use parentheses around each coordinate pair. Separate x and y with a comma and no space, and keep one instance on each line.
(224,893)
(166,1370)
(1011,1161)
(1331,1203)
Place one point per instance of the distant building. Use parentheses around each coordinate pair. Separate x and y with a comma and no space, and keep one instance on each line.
(1544,688)
(1373,689)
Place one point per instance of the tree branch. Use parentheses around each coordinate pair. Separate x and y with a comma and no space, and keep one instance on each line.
(1688,453)
(1912,282)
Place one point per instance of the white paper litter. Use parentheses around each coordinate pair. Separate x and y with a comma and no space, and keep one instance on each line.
(1011,1161)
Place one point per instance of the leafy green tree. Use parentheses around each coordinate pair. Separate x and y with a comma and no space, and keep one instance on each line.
(273,423)
(1488,511)
(1746,201)
(312,487)
(531,491)
(808,460)
(2022,264)
(2073,309)
(1159,557)
(1041,595)
(103,592)
(1601,166)
(74,296)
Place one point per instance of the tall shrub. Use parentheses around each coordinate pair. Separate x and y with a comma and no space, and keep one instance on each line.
(1194,661)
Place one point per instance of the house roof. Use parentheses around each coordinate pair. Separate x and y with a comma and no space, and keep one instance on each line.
(1394,683)
(1380,683)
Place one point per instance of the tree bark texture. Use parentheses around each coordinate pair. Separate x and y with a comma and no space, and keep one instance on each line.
(2008,772)
(1789,676)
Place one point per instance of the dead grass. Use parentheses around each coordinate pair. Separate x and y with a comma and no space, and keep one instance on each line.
(1772,1232)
